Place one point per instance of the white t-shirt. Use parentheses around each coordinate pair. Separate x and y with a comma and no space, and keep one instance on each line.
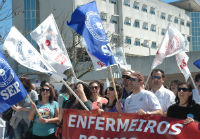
(143,100)
(165,97)
(196,96)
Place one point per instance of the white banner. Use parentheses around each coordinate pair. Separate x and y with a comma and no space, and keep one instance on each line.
(20,49)
(51,44)
(172,44)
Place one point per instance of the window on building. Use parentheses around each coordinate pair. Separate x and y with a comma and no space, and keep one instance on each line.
(103,16)
(153,28)
(189,38)
(153,45)
(176,20)
(188,24)
(136,5)
(152,11)
(114,19)
(127,21)
(145,26)
(162,16)
(169,18)
(182,22)
(146,43)
(144,8)
(137,24)
(113,1)
(163,32)
(137,42)
(127,3)
(128,40)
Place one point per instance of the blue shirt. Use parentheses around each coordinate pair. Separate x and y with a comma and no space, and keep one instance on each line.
(47,111)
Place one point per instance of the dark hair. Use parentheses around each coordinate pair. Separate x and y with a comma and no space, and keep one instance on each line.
(86,90)
(119,93)
(158,70)
(177,82)
(101,85)
(139,76)
(190,100)
(51,97)
(197,77)
(43,83)
(26,83)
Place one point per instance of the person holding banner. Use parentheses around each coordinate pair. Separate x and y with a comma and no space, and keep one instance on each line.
(19,120)
(164,95)
(141,101)
(196,91)
(113,105)
(44,126)
(185,107)
(97,95)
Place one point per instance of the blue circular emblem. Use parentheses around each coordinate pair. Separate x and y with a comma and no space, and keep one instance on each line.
(95,27)
(6,73)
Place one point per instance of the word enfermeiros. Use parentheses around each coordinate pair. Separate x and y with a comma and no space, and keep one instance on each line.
(127,125)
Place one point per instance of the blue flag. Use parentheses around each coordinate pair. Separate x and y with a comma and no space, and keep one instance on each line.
(197,63)
(11,89)
(86,21)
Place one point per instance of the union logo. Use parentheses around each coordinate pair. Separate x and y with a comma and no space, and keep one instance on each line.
(6,73)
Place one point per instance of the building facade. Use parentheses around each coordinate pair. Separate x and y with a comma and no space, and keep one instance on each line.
(137,25)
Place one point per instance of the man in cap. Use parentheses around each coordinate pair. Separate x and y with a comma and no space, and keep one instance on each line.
(141,101)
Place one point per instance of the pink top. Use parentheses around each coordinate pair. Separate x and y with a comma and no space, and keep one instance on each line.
(97,105)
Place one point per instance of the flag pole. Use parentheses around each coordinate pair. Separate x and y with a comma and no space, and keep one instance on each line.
(147,79)
(36,107)
(193,82)
(114,86)
(81,102)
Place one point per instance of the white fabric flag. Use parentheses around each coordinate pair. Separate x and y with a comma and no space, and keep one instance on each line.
(20,49)
(173,43)
(182,59)
(51,45)
(120,58)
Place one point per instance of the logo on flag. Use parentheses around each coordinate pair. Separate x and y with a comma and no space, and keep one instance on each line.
(86,21)
(11,89)
(182,60)
(51,44)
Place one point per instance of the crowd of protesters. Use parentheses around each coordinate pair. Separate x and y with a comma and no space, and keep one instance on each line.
(40,114)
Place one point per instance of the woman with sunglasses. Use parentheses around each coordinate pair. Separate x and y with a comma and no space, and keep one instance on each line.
(44,127)
(185,107)
(97,95)
(113,105)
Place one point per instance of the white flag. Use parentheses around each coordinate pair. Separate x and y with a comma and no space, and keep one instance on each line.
(20,49)
(172,44)
(120,57)
(182,60)
(51,44)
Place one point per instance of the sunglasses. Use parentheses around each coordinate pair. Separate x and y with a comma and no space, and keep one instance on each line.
(156,77)
(44,90)
(110,88)
(125,77)
(183,89)
(94,87)
(132,79)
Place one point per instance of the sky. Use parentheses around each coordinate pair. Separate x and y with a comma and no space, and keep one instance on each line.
(5,25)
